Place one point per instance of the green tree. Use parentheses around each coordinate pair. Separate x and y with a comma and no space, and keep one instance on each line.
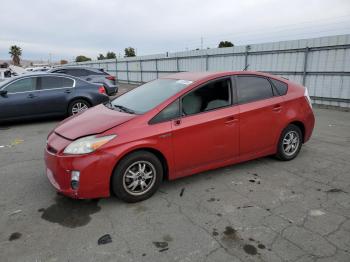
(82,58)
(129,52)
(225,44)
(101,57)
(111,55)
(16,52)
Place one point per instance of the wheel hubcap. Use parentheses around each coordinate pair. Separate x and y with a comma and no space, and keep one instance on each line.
(139,178)
(79,107)
(290,143)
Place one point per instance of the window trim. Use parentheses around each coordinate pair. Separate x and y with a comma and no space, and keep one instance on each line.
(259,76)
(232,96)
(36,84)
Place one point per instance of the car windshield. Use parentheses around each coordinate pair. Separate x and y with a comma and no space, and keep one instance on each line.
(149,95)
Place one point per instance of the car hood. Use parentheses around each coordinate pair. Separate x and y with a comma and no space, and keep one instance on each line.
(93,121)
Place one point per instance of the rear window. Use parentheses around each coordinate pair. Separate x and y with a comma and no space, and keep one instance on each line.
(280,86)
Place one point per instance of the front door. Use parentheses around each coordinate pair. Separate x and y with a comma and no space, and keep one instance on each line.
(20,100)
(207,132)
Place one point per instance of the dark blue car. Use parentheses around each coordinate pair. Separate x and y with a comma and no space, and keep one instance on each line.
(43,95)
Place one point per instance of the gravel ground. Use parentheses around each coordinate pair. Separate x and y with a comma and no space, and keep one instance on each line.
(261,210)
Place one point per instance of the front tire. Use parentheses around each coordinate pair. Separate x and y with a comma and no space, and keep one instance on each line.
(290,143)
(137,176)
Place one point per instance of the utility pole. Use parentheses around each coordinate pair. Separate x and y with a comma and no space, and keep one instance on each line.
(201,42)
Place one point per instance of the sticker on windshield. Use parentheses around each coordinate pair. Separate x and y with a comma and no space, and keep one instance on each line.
(184,82)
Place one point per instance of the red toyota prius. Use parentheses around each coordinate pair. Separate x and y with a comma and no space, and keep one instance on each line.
(177,126)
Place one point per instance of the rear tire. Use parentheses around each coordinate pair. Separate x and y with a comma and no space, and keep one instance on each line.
(78,106)
(290,143)
(137,176)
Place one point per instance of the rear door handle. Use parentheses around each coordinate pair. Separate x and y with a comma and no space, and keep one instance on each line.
(231,120)
(67,91)
(277,108)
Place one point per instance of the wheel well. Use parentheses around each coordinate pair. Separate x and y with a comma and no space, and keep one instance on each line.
(80,98)
(301,126)
(157,153)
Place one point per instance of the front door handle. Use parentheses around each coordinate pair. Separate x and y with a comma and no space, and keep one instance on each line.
(31,96)
(231,120)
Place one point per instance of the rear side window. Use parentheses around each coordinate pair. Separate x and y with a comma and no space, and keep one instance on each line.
(253,88)
(171,112)
(51,82)
(77,72)
(22,85)
(280,86)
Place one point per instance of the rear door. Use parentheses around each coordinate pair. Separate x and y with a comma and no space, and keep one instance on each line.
(55,92)
(20,100)
(260,114)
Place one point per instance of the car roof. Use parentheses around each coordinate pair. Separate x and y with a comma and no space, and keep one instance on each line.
(197,76)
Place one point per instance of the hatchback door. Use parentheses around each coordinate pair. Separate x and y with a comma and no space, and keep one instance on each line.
(55,93)
(260,115)
(207,132)
(20,100)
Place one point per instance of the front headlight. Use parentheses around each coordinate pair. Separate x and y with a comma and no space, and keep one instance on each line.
(87,144)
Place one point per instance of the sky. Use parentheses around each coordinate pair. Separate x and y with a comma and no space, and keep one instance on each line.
(64,29)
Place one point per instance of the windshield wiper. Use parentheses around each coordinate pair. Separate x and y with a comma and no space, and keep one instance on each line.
(125,109)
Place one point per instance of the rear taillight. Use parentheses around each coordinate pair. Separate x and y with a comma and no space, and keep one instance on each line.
(111,78)
(306,94)
(101,90)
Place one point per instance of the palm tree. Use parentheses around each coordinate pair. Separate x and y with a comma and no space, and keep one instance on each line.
(15,52)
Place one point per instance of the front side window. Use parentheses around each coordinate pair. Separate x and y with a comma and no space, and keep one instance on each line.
(52,82)
(253,88)
(171,112)
(147,96)
(208,97)
(22,85)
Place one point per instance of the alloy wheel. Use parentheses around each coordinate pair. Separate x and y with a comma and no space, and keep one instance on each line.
(290,143)
(139,178)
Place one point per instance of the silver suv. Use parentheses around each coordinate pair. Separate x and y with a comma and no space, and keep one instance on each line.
(92,75)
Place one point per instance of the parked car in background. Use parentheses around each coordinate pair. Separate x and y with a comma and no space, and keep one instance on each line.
(42,94)
(91,75)
(176,126)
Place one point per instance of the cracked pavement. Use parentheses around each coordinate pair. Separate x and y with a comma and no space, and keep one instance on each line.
(261,210)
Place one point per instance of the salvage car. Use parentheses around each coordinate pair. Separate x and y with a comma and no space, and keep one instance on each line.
(44,95)
(174,127)
(92,75)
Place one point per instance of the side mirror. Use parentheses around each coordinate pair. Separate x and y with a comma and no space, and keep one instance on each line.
(3,92)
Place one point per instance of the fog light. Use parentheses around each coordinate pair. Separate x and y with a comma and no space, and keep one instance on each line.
(74,179)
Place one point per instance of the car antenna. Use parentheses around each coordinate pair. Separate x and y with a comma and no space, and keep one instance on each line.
(246,67)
